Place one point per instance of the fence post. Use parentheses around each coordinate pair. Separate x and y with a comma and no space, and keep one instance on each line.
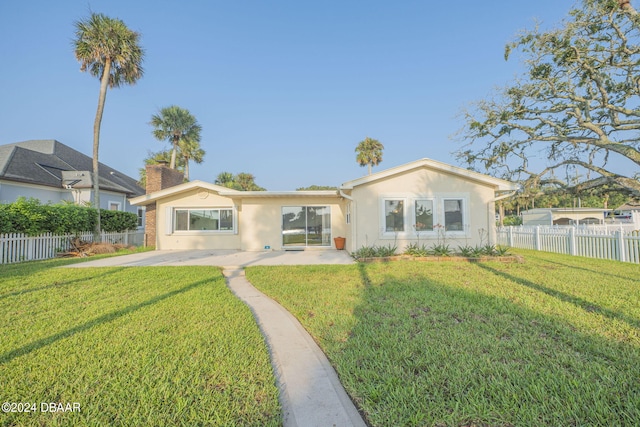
(621,247)
(572,241)
(536,237)
(510,237)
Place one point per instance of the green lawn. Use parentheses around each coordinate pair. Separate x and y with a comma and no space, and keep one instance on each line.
(554,341)
(132,346)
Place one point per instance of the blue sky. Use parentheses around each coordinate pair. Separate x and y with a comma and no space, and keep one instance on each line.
(283,89)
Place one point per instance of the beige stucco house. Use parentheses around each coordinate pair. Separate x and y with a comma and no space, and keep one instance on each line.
(423,201)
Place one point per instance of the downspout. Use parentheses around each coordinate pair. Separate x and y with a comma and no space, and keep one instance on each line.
(353,218)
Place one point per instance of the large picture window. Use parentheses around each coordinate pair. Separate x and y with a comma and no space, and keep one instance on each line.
(203,220)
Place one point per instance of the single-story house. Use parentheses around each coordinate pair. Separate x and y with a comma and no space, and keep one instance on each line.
(564,216)
(52,172)
(424,201)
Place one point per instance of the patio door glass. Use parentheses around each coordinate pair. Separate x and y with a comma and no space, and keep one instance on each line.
(306,226)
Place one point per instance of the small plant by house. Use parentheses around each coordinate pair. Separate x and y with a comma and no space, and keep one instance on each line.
(416,250)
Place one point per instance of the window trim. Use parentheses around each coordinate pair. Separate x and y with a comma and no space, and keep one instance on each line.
(234,219)
(438,200)
(434,214)
(141,212)
(465,213)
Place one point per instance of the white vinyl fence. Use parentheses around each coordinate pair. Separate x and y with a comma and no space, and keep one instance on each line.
(619,245)
(20,247)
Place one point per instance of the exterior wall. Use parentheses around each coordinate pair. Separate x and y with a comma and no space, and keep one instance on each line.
(261,220)
(369,219)
(166,238)
(10,192)
(258,221)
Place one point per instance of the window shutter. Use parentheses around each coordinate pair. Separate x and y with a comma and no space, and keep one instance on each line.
(168,221)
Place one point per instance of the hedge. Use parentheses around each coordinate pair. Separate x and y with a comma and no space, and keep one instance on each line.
(31,217)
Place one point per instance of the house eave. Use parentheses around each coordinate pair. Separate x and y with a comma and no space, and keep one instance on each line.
(497,183)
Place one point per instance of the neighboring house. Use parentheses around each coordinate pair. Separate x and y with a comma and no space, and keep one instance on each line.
(564,216)
(423,201)
(52,172)
(629,213)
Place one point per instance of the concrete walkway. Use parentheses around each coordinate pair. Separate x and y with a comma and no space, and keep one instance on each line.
(310,392)
(221,258)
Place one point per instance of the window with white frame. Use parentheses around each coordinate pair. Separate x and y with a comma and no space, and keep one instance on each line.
(114,206)
(394,215)
(423,215)
(409,216)
(220,219)
(453,214)
(141,211)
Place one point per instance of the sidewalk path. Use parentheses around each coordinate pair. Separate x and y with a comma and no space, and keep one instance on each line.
(310,392)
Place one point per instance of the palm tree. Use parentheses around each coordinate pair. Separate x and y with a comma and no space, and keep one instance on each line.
(369,152)
(175,124)
(190,150)
(110,51)
(226,179)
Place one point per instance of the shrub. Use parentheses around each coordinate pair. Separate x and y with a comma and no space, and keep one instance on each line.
(414,249)
(30,217)
(114,221)
(375,252)
(441,250)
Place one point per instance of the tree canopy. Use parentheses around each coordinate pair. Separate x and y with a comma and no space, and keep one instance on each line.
(177,126)
(575,109)
(369,152)
(242,181)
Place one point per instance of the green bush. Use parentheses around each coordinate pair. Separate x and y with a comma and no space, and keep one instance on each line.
(375,252)
(114,221)
(31,217)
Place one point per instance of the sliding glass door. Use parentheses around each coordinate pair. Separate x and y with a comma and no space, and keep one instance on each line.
(306,226)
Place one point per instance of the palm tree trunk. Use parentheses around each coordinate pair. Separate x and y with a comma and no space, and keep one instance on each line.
(369,168)
(96,143)
(174,152)
(186,168)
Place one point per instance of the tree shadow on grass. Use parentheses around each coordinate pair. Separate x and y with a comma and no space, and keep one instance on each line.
(417,329)
(36,345)
(562,296)
(57,285)
(589,270)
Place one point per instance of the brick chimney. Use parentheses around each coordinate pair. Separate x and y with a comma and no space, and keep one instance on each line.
(159,177)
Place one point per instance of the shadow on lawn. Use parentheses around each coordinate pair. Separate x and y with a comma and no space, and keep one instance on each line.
(59,284)
(589,270)
(579,302)
(445,351)
(36,345)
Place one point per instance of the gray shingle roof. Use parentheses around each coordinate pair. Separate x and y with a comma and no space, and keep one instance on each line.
(42,162)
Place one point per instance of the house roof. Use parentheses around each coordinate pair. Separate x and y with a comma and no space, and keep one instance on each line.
(564,210)
(497,183)
(52,164)
(227,192)
(631,206)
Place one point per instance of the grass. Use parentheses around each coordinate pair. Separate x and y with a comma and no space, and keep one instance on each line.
(554,341)
(133,346)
